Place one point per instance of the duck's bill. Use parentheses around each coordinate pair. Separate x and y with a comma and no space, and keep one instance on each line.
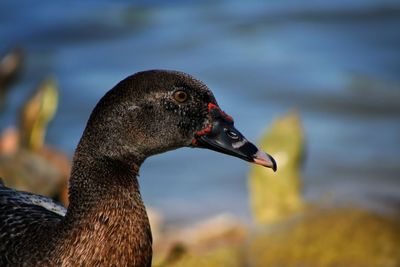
(225,138)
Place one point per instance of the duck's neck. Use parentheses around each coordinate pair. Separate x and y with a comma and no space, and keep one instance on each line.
(106,221)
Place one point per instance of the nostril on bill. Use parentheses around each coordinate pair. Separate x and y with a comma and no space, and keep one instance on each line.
(231,134)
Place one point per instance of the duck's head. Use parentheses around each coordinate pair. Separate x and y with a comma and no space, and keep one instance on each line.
(155,111)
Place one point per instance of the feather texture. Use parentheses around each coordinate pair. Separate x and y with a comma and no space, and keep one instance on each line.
(24,217)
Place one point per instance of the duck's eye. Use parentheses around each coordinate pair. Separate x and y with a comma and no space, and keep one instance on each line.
(180,96)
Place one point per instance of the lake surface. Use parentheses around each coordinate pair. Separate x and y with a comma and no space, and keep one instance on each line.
(337,63)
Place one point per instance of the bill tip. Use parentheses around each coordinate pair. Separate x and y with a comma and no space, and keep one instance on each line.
(263,159)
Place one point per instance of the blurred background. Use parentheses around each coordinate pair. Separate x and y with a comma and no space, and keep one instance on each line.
(336,62)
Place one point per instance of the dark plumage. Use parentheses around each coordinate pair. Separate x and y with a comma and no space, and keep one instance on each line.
(106,222)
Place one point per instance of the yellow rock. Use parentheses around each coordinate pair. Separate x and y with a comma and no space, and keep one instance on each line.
(25,162)
(275,196)
(37,113)
(316,236)
(345,237)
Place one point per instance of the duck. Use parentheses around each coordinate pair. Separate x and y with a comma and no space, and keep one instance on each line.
(106,224)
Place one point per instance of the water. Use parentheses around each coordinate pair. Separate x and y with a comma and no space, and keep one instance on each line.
(338,63)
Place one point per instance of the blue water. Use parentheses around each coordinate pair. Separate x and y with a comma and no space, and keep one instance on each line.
(336,62)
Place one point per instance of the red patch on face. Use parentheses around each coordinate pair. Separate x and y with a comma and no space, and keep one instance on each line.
(194,142)
(212,106)
(208,129)
(205,131)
